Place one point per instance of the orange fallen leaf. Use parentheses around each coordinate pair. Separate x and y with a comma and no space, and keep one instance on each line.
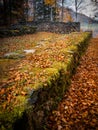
(23,93)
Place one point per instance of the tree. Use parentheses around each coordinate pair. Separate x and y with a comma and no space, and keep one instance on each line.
(96,1)
(68,17)
(62,13)
(45,10)
(52,4)
(39,9)
(5,11)
(12,9)
(61,10)
(77,6)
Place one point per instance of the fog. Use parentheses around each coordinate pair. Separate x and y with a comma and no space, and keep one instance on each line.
(87,7)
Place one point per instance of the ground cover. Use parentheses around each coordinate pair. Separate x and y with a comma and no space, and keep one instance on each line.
(20,77)
(79,107)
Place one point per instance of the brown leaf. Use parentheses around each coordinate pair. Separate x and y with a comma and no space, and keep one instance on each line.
(23,93)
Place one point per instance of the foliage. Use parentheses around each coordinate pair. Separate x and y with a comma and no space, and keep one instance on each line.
(43,10)
(50,2)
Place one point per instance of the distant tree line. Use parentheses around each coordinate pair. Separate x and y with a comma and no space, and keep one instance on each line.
(45,10)
(12,11)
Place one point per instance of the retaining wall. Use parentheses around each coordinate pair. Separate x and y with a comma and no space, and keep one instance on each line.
(32,27)
(58,27)
(33,114)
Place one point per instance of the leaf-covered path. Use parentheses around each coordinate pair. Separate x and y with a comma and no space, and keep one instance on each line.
(79,108)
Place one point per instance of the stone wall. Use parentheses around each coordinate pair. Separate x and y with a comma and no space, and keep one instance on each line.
(43,96)
(58,27)
(32,27)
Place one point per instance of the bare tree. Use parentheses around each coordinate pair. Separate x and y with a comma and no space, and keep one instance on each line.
(62,13)
(96,1)
(77,6)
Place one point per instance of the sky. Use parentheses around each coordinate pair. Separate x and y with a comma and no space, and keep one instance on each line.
(87,7)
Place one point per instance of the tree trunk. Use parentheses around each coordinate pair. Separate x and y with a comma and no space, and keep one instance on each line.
(76,9)
(55,10)
(76,14)
(62,14)
(51,14)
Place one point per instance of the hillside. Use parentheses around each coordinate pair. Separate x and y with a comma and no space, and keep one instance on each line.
(81,17)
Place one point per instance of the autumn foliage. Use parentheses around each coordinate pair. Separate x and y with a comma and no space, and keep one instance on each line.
(50,2)
(79,107)
(38,70)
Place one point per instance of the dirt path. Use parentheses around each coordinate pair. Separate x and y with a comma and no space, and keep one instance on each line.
(79,108)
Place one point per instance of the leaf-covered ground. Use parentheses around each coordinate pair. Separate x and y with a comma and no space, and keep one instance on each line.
(19,77)
(79,108)
(20,43)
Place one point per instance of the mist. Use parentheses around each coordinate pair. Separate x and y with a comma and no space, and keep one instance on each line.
(87,7)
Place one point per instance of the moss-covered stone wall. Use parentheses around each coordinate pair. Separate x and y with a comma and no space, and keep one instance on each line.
(32,109)
(32,27)
(58,27)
